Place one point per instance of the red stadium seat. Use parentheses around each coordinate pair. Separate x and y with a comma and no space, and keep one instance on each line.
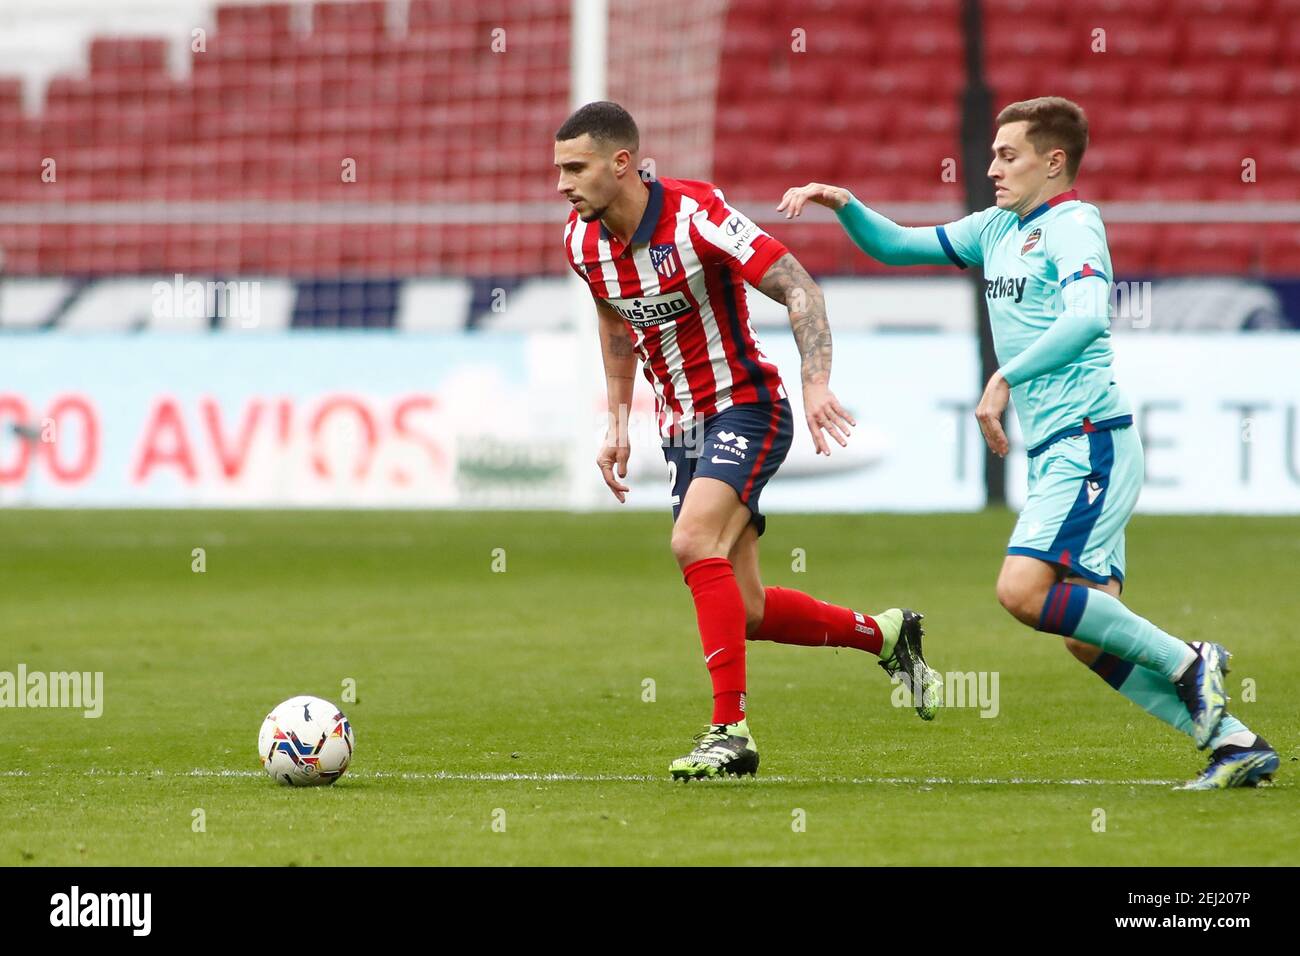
(1182,94)
(1116,163)
(1013,81)
(1111,83)
(913,38)
(1146,11)
(1270,120)
(855,123)
(1280,249)
(908,81)
(1240,10)
(348,16)
(944,11)
(1227,38)
(1208,249)
(1169,120)
(744,42)
(134,55)
(931,120)
(11,92)
(802,79)
(1021,43)
(1133,246)
(1206,82)
(1267,190)
(1205,161)
(270,18)
(761,121)
(1282,82)
(1001,12)
(1153,44)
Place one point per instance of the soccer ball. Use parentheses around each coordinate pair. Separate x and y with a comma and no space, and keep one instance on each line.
(305,742)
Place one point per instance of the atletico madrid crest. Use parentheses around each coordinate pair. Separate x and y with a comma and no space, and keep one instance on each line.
(664,259)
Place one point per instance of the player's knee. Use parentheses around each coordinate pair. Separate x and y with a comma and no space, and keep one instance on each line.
(1020,598)
(690,544)
(753,615)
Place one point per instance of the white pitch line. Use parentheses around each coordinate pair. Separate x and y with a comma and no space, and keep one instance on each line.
(627,778)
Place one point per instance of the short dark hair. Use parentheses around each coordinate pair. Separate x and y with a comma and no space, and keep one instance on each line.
(605,121)
(1053,122)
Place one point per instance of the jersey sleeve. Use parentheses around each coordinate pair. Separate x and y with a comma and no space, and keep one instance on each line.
(1076,245)
(569,230)
(734,239)
(961,239)
(888,242)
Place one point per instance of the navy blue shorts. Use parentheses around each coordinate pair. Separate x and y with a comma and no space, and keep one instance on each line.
(743,446)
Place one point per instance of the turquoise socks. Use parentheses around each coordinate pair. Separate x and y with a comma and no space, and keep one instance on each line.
(1097,618)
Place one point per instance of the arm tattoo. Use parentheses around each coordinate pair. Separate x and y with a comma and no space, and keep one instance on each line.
(616,345)
(789,283)
(619,345)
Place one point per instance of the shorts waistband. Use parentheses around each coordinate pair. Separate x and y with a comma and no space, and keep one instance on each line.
(1088,427)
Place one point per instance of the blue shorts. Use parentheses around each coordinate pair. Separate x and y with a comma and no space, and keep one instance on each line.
(1082,491)
(743,446)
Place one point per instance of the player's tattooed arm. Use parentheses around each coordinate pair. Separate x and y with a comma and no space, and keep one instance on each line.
(620,377)
(615,346)
(788,282)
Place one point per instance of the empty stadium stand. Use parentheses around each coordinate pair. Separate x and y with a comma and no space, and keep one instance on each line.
(232,157)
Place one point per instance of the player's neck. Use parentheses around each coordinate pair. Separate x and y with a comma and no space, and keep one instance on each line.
(624,213)
(1051,189)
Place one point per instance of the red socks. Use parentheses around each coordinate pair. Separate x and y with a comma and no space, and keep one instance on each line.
(789,617)
(792,617)
(720,611)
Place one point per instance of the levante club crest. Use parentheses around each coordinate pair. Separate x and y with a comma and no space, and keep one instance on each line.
(1031,241)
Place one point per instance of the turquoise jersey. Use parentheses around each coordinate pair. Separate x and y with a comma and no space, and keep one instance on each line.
(1047,284)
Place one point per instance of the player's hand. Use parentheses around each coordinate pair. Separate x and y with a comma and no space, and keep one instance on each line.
(613,455)
(822,410)
(796,197)
(989,413)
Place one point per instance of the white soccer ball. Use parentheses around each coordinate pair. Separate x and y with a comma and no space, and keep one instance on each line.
(305,742)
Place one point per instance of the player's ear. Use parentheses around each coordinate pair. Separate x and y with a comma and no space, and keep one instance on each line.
(622,161)
(1056,163)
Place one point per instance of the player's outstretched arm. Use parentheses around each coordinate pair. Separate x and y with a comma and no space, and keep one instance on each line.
(789,283)
(620,377)
(876,235)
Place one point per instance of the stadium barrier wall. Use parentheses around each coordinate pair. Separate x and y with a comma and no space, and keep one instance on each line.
(491,420)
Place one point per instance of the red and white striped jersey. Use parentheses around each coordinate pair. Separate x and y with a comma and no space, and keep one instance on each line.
(680,286)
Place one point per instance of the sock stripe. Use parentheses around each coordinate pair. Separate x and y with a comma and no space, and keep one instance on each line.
(1051,609)
(1113,670)
(1063,609)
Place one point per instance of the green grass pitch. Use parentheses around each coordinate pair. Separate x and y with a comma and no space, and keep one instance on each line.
(466,677)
